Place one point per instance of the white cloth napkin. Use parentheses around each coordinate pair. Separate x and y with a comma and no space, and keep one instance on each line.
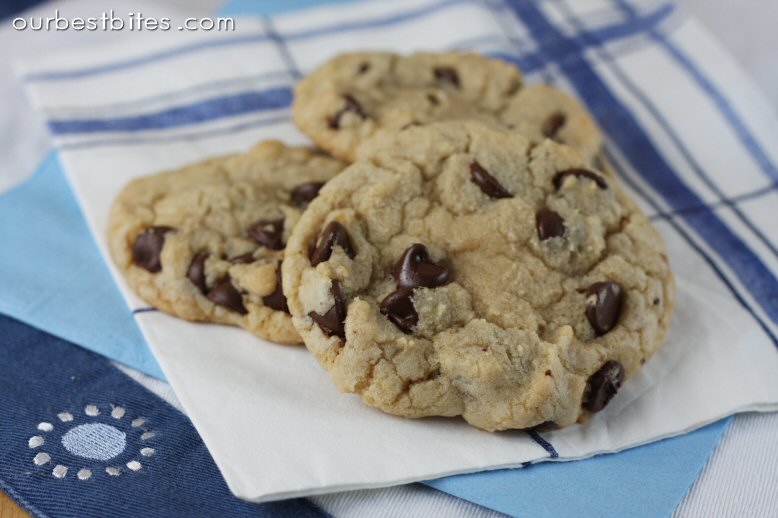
(269,415)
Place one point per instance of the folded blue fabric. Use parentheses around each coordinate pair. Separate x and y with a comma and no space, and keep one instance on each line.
(79,438)
(53,277)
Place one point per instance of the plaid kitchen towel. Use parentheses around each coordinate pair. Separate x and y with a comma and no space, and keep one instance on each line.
(608,56)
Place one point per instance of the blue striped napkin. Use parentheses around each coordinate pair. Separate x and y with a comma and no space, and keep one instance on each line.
(662,167)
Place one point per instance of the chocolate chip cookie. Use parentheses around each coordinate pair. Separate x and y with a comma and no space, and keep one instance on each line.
(455,269)
(205,242)
(357,96)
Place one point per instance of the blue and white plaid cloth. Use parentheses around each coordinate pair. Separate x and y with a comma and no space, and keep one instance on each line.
(660,139)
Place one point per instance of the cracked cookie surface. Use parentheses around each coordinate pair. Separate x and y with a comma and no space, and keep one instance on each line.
(357,96)
(205,242)
(459,270)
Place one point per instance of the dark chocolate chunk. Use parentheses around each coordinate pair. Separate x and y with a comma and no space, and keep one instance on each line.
(549,224)
(447,75)
(349,105)
(334,234)
(196,271)
(553,124)
(604,301)
(488,183)
(333,321)
(246,258)
(269,233)
(148,246)
(305,193)
(560,177)
(415,268)
(227,296)
(603,385)
(276,300)
(398,308)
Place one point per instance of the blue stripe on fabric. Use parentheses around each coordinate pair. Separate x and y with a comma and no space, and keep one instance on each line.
(40,376)
(707,86)
(191,136)
(671,133)
(624,129)
(282,49)
(143,60)
(543,444)
(723,203)
(203,111)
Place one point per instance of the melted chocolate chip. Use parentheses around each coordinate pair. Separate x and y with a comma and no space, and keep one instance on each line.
(268,233)
(246,258)
(333,321)
(603,385)
(305,193)
(447,75)
(398,308)
(349,105)
(225,295)
(604,301)
(196,271)
(148,246)
(334,234)
(488,183)
(549,224)
(415,268)
(276,300)
(363,67)
(552,125)
(560,177)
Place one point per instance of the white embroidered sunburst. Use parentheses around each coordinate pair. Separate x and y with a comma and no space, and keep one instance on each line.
(99,442)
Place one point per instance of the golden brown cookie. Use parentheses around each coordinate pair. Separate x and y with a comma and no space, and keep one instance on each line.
(459,270)
(205,242)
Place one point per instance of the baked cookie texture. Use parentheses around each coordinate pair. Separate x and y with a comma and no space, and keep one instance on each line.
(205,242)
(459,270)
(357,96)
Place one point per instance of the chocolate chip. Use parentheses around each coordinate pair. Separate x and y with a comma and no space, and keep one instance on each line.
(398,308)
(415,268)
(553,124)
(363,67)
(268,233)
(656,301)
(433,99)
(548,373)
(333,234)
(224,294)
(604,300)
(276,300)
(148,245)
(349,105)
(560,177)
(196,271)
(549,224)
(603,385)
(246,258)
(447,75)
(488,183)
(305,193)
(333,321)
